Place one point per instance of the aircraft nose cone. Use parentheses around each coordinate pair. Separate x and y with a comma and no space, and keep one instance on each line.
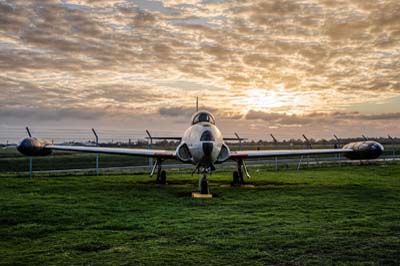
(207,149)
(24,146)
(377,149)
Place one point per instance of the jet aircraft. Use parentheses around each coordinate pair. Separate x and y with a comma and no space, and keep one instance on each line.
(203,146)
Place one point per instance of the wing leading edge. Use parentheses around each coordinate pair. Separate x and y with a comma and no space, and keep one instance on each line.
(277,153)
(118,151)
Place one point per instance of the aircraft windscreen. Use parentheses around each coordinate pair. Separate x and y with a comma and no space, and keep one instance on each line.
(203,117)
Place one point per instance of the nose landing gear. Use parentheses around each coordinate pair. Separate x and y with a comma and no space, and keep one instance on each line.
(203,181)
(203,185)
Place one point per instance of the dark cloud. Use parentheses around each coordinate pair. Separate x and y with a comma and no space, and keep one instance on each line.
(50,114)
(318,118)
(384,116)
(262,61)
(176,111)
(186,112)
(142,18)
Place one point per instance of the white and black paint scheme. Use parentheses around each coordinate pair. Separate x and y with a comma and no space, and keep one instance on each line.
(203,145)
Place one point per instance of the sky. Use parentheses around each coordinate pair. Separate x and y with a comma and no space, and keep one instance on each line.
(317,67)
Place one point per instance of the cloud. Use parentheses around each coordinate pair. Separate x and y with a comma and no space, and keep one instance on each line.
(186,112)
(118,55)
(318,118)
(51,114)
(176,111)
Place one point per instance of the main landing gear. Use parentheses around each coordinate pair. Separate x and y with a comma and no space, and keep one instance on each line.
(161,174)
(237,178)
(162,177)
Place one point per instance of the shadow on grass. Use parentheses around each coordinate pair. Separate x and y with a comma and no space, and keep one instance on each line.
(92,247)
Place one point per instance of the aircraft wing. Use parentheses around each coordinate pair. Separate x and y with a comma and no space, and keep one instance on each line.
(277,153)
(9,147)
(180,138)
(234,139)
(166,138)
(120,151)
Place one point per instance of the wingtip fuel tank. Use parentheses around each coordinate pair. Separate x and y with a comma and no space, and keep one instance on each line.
(34,147)
(364,150)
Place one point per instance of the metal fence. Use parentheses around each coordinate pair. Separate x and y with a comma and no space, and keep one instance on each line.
(12,162)
(68,162)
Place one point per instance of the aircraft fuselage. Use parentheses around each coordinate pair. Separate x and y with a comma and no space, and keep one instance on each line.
(204,141)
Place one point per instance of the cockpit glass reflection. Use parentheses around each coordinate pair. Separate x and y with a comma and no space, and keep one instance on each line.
(203,117)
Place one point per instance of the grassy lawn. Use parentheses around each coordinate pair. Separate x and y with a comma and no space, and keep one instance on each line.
(340,216)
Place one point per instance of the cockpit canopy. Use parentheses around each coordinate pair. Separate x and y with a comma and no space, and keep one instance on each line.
(203,116)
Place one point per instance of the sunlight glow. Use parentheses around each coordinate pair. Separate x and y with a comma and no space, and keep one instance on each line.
(261,100)
(280,100)
(274,100)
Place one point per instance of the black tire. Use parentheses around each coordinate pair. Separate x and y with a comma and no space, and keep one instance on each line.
(236,178)
(204,187)
(163,177)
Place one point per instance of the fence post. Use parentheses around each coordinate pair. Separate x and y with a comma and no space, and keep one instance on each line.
(274,139)
(29,132)
(365,139)
(299,164)
(276,157)
(150,146)
(97,155)
(308,147)
(393,148)
(338,145)
(30,158)
(30,167)
(240,141)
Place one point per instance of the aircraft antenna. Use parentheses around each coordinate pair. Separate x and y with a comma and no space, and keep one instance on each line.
(197,104)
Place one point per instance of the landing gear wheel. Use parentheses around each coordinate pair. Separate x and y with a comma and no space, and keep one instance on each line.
(163,178)
(203,186)
(236,179)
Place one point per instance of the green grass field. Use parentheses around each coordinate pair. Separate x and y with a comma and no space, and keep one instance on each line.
(339,216)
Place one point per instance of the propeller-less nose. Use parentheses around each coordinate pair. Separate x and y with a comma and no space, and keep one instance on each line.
(376,150)
(24,145)
(33,147)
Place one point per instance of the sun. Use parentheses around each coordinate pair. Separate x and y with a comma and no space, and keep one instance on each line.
(265,100)
(278,100)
